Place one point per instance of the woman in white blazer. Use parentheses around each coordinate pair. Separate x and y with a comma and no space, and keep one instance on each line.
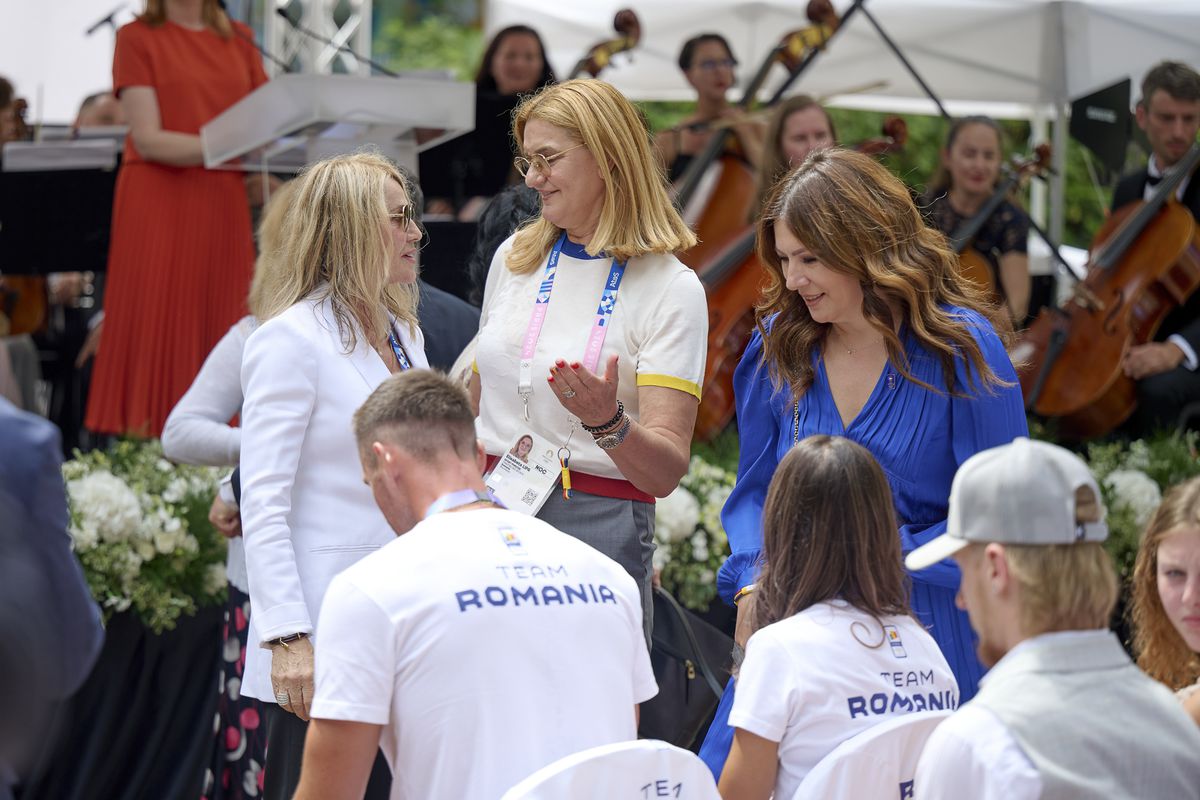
(339,316)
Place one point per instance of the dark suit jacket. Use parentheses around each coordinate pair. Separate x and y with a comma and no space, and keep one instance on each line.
(449,325)
(1184,320)
(50,631)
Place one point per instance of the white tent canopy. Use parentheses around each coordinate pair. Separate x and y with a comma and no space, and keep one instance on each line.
(1005,56)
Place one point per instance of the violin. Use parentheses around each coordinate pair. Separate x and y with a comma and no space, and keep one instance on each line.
(733,281)
(1144,262)
(24,299)
(600,55)
(722,213)
(974,264)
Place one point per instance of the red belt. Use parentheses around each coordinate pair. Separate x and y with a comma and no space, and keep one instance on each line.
(597,484)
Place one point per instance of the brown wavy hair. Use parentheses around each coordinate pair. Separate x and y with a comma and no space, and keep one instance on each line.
(211,12)
(860,220)
(829,532)
(1161,651)
(637,216)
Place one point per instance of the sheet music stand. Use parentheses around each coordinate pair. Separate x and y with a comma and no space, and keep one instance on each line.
(56,205)
(294,120)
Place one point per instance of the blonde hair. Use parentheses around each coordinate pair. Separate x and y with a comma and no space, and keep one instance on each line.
(1063,587)
(859,220)
(1161,651)
(336,244)
(637,216)
(774,164)
(156,14)
(270,244)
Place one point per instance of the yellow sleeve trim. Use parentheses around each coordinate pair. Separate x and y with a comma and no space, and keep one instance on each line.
(670,382)
(474,367)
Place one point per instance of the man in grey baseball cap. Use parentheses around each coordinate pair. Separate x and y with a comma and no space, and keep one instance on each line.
(1063,711)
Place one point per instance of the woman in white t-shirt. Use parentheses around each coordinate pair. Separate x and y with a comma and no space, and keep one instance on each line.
(837,649)
(592,336)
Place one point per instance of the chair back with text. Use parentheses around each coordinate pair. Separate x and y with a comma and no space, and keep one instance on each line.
(879,762)
(646,768)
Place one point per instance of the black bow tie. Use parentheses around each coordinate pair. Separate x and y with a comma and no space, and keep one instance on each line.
(1153,180)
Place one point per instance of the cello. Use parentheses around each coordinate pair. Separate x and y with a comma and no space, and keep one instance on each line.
(973,264)
(24,299)
(733,281)
(627,24)
(720,214)
(1145,261)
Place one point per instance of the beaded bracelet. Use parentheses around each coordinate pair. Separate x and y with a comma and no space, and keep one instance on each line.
(594,429)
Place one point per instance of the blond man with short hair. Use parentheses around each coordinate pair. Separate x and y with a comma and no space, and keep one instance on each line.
(1063,711)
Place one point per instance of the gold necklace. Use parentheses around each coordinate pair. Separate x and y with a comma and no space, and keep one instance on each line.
(852,350)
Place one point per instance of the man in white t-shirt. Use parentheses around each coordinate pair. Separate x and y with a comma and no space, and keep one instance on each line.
(1063,711)
(479,646)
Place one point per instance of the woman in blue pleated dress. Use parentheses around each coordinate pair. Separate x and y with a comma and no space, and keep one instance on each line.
(865,331)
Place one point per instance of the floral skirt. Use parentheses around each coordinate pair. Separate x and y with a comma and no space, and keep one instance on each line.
(235,770)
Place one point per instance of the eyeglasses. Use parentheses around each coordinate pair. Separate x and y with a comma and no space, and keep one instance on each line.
(540,162)
(714,64)
(406,214)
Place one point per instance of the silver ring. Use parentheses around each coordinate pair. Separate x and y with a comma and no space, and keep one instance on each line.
(281,699)
(568,393)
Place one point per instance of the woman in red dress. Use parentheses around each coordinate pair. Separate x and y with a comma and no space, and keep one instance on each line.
(182,251)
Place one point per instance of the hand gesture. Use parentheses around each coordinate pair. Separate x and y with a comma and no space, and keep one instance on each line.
(590,397)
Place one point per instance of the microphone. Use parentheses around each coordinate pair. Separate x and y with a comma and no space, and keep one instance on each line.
(105,21)
(278,61)
(339,47)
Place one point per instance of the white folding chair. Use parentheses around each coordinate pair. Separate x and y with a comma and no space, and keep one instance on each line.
(878,763)
(646,768)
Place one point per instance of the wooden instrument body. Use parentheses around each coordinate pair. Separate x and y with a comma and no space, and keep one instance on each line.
(24,304)
(977,268)
(734,285)
(724,215)
(1115,308)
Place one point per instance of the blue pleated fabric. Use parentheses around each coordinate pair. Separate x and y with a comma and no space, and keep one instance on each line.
(919,438)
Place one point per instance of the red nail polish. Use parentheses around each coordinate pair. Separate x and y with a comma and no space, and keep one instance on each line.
(550,379)
(560,363)
(575,365)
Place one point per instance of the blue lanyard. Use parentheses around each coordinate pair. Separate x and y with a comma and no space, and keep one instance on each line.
(463,497)
(401,356)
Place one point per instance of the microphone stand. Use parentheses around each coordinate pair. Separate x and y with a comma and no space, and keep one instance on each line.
(341,48)
(279,62)
(108,20)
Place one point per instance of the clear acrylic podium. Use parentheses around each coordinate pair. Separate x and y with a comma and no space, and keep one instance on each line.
(294,120)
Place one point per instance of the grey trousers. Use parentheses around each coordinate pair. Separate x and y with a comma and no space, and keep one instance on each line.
(621,529)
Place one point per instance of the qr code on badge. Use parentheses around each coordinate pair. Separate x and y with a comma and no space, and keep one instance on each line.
(529,498)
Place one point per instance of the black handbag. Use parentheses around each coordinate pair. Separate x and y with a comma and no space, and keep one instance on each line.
(692,662)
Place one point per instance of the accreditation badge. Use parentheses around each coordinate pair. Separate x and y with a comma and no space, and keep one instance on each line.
(526,474)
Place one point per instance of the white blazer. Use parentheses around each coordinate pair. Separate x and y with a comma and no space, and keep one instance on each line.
(306,513)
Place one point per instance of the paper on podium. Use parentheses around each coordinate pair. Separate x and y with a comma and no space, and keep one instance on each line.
(294,120)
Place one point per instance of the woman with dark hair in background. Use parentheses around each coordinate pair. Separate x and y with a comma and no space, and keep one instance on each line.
(461,174)
(708,65)
(966,178)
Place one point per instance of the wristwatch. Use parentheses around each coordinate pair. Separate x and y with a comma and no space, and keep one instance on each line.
(611,440)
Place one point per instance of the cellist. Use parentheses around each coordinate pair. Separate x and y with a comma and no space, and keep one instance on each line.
(967,176)
(708,65)
(1166,369)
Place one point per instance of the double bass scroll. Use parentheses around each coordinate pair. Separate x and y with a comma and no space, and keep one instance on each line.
(600,55)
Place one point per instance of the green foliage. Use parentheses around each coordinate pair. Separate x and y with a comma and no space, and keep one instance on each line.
(430,43)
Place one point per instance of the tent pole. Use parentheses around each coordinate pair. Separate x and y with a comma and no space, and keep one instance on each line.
(895,48)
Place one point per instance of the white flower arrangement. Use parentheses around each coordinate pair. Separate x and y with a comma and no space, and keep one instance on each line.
(1136,490)
(690,541)
(139,526)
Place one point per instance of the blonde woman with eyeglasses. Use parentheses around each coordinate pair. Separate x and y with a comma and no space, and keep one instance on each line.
(338,316)
(593,334)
